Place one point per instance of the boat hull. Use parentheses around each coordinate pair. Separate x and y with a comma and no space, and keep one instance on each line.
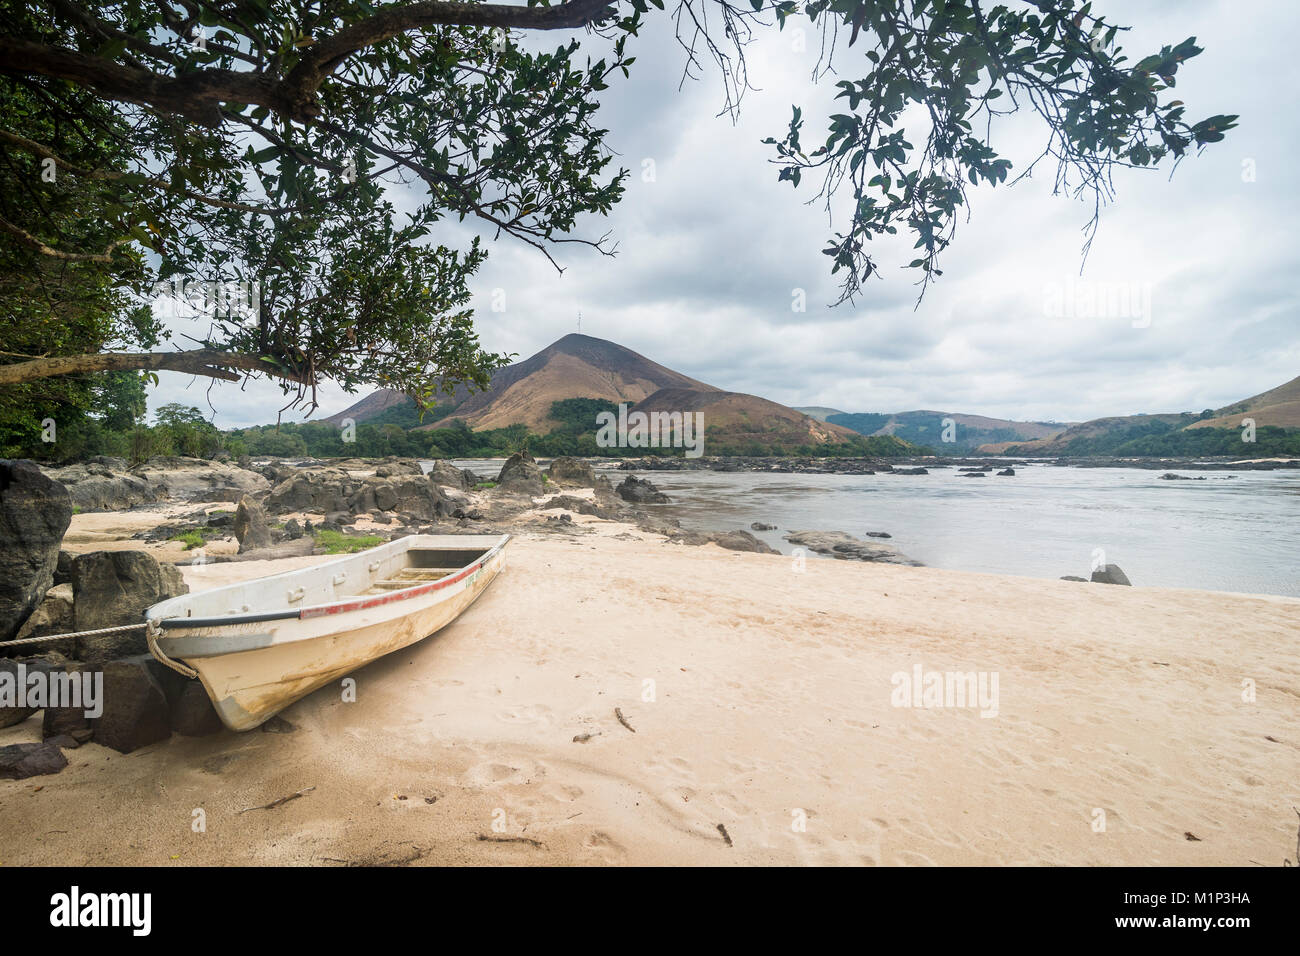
(252,671)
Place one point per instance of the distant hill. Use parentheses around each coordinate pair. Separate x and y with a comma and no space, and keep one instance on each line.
(819,412)
(1278,406)
(736,420)
(925,427)
(1212,432)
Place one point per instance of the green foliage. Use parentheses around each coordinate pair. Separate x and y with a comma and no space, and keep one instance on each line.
(332,542)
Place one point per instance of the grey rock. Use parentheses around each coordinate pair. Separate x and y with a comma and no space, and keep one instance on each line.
(34,514)
(1007,473)
(573,472)
(16,675)
(250,525)
(447,475)
(909,471)
(111,588)
(521,475)
(760,526)
(54,616)
(1073,577)
(741,541)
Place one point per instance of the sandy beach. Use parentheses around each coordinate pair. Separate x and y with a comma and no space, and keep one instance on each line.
(754,700)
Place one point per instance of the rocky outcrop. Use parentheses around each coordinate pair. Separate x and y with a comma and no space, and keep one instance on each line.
(908,471)
(333,490)
(762,526)
(582,506)
(572,472)
(521,475)
(640,491)
(1007,473)
(838,544)
(109,484)
(34,514)
(116,587)
(197,479)
(250,525)
(1111,574)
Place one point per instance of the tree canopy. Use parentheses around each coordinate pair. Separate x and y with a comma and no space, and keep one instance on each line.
(247,150)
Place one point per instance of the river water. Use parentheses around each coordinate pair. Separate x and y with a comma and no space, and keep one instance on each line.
(1230,532)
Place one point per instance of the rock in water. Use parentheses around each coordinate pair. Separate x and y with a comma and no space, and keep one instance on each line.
(741,541)
(1111,574)
(20,761)
(250,525)
(447,475)
(573,472)
(520,474)
(1007,473)
(641,492)
(116,587)
(762,526)
(839,544)
(136,713)
(34,514)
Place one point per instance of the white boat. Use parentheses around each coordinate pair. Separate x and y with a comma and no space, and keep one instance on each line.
(258,646)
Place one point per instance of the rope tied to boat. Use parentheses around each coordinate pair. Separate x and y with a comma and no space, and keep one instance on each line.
(151,631)
(71,634)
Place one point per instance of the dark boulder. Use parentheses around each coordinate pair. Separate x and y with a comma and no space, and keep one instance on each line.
(908,471)
(136,710)
(14,674)
(1111,574)
(640,491)
(1007,473)
(1073,577)
(192,713)
(20,761)
(521,475)
(112,588)
(761,526)
(250,525)
(34,514)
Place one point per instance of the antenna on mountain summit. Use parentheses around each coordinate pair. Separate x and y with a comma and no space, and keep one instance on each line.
(579,322)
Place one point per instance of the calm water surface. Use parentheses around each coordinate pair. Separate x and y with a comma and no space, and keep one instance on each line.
(1230,532)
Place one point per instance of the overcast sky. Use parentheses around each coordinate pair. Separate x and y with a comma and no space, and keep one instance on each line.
(711,251)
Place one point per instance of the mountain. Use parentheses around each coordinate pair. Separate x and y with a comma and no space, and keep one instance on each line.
(926,427)
(581,366)
(576,366)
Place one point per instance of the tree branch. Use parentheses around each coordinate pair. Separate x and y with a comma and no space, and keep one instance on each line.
(209,362)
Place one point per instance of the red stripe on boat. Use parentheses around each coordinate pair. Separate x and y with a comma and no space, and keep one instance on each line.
(404,595)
